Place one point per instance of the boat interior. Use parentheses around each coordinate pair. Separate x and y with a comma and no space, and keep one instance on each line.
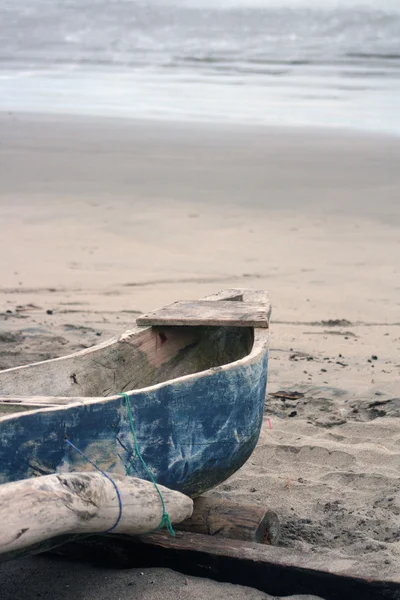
(140,358)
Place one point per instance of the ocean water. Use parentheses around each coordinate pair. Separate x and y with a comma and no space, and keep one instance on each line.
(271,62)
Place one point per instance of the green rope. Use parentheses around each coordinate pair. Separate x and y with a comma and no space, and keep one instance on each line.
(165,520)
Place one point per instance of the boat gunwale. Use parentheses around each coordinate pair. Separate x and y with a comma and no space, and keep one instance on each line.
(260,346)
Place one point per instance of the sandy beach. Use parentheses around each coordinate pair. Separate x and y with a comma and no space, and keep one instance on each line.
(103,219)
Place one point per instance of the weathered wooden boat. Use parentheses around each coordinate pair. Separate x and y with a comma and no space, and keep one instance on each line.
(184,390)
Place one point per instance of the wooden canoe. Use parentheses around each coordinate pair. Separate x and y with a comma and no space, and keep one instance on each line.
(196,394)
(195,383)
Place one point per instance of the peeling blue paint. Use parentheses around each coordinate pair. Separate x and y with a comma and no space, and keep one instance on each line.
(193,433)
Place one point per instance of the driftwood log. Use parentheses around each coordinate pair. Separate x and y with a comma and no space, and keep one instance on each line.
(35,510)
(247,522)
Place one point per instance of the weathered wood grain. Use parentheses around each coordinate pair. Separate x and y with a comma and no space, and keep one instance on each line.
(135,360)
(38,509)
(206,313)
(217,516)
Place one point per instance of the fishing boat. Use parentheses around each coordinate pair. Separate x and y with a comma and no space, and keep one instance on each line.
(177,401)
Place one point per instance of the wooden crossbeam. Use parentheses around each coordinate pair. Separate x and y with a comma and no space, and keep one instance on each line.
(204,312)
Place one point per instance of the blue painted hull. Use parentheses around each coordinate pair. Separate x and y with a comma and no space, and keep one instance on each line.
(193,432)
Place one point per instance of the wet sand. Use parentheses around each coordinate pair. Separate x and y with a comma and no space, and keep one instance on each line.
(104,219)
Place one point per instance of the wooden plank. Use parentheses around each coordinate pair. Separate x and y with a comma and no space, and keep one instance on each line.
(204,312)
(271,569)
(280,571)
(218,516)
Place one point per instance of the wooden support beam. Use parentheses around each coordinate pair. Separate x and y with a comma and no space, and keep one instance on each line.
(271,569)
(217,516)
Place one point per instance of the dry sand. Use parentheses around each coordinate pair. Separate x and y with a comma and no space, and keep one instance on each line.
(104,219)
